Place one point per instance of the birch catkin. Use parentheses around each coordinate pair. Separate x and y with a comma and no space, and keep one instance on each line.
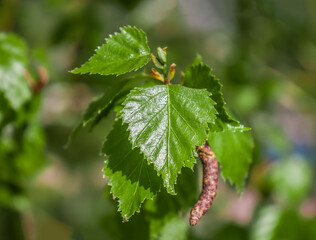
(210,177)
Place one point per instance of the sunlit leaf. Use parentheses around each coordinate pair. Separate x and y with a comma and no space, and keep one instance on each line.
(166,123)
(132,180)
(198,75)
(101,106)
(233,151)
(123,52)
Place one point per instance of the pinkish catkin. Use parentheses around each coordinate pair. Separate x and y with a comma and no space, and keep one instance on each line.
(210,177)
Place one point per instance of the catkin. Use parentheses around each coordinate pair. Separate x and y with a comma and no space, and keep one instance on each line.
(210,178)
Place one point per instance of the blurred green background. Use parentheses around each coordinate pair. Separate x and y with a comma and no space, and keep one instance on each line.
(263,51)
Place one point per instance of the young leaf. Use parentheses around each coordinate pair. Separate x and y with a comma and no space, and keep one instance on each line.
(132,180)
(199,75)
(96,107)
(166,122)
(123,52)
(13,61)
(233,150)
(102,102)
(100,107)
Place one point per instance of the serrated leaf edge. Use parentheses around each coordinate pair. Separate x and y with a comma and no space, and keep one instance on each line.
(171,191)
(227,178)
(126,219)
(106,42)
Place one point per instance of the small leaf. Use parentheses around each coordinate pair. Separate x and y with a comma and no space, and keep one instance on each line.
(199,75)
(233,150)
(100,107)
(132,180)
(102,102)
(162,55)
(166,122)
(156,61)
(97,107)
(13,62)
(123,52)
(198,60)
(171,72)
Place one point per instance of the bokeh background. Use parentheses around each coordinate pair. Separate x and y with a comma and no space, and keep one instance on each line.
(263,51)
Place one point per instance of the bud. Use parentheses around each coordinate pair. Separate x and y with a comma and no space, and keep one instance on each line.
(156,62)
(157,75)
(171,71)
(162,55)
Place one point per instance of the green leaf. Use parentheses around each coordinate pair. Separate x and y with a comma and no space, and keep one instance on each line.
(287,189)
(96,107)
(101,106)
(123,52)
(7,115)
(233,150)
(13,61)
(132,180)
(166,207)
(102,102)
(162,56)
(166,123)
(198,75)
(269,217)
(175,229)
(274,222)
(198,60)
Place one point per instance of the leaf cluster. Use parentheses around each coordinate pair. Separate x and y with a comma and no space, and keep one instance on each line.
(158,125)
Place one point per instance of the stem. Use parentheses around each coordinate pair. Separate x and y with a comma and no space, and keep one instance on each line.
(37,86)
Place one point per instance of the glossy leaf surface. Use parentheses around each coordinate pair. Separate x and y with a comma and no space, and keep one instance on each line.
(123,52)
(198,75)
(132,180)
(166,123)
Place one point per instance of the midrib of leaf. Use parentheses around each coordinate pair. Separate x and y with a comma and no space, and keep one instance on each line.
(168,139)
(152,113)
(179,114)
(123,52)
(127,60)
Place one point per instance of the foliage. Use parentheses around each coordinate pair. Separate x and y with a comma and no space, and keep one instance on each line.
(13,61)
(233,151)
(132,180)
(21,136)
(264,54)
(123,52)
(162,124)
